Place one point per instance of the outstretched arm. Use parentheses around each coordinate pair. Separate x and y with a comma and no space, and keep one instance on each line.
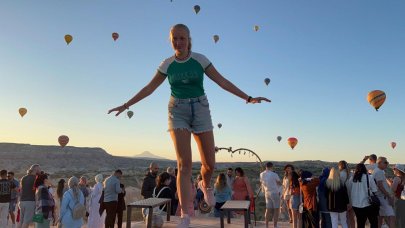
(156,81)
(215,76)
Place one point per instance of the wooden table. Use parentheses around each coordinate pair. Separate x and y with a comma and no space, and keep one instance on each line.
(235,205)
(150,204)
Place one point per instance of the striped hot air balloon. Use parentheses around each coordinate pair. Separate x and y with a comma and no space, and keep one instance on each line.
(376,98)
(63,140)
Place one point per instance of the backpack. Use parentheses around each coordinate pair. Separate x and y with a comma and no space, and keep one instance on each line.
(78,210)
(156,210)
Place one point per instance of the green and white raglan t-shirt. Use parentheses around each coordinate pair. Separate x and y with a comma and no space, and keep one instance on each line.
(185,77)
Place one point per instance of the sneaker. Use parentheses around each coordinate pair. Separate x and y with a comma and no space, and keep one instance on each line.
(184,222)
(209,197)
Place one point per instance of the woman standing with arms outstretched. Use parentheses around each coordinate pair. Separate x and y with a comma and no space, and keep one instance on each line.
(189,112)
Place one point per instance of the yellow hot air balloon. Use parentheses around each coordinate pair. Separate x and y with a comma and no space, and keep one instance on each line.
(376,98)
(256,28)
(63,140)
(115,36)
(22,111)
(292,142)
(68,38)
(216,38)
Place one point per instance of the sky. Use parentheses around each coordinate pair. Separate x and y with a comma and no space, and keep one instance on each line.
(323,57)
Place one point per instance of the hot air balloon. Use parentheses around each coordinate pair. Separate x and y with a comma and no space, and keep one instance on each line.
(393,145)
(216,38)
(22,111)
(256,28)
(219,125)
(292,142)
(376,98)
(197,9)
(130,114)
(279,138)
(115,36)
(267,81)
(63,140)
(68,38)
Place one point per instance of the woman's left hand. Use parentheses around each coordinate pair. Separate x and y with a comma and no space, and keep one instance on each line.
(255,100)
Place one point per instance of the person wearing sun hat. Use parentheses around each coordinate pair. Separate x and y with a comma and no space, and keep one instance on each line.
(397,186)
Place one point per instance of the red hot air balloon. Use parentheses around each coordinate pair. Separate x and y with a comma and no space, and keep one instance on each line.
(63,140)
(292,142)
(393,145)
(115,36)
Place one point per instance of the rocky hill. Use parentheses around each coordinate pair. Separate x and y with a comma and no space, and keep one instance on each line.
(54,159)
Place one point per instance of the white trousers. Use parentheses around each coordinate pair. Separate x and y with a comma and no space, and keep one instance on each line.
(335,217)
(3,214)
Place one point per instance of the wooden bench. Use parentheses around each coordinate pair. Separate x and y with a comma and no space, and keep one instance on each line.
(150,204)
(235,205)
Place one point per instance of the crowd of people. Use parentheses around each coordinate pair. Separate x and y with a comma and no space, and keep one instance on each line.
(32,200)
(229,185)
(338,196)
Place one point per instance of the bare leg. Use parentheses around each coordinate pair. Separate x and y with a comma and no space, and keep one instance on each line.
(182,140)
(289,210)
(391,221)
(12,217)
(206,146)
(267,216)
(295,218)
(276,212)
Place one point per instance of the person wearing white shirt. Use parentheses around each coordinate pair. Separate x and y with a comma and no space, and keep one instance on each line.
(271,183)
(384,193)
(372,159)
(229,177)
(359,197)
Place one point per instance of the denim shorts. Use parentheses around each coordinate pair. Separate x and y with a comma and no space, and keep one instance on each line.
(295,202)
(192,114)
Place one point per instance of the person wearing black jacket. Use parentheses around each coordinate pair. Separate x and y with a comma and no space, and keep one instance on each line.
(173,187)
(149,182)
(162,189)
(337,198)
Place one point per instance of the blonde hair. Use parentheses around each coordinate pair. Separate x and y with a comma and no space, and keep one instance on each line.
(333,181)
(220,183)
(98,178)
(182,26)
(73,184)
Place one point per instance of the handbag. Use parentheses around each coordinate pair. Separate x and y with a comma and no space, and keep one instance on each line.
(372,199)
(38,218)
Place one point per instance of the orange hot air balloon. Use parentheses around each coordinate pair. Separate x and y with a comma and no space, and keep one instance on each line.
(393,145)
(115,36)
(376,98)
(68,38)
(22,111)
(292,142)
(63,140)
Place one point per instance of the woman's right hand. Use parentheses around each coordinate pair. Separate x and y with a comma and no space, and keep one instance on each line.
(118,109)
